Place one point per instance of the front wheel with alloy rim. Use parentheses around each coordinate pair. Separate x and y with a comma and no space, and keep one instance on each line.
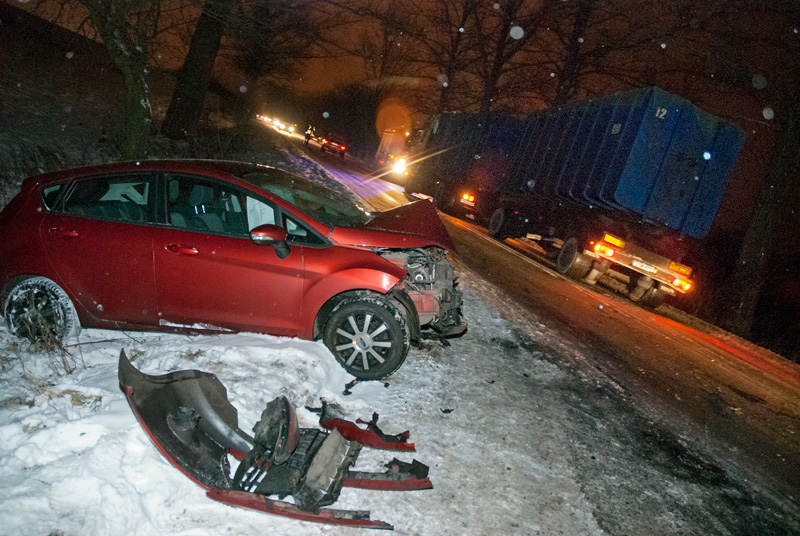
(368,336)
(39,310)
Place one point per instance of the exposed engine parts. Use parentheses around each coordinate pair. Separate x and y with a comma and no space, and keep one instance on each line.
(431,285)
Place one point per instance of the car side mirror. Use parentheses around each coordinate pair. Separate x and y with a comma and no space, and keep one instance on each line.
(271,235)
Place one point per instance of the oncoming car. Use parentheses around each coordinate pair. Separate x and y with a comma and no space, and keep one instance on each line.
(225,246)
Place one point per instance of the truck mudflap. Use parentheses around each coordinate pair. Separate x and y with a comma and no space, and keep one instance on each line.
(187,416)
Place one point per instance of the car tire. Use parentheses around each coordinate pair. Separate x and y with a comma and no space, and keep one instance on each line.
(368,336)
(498,224)
(443,198)
(38,309)
(571,262)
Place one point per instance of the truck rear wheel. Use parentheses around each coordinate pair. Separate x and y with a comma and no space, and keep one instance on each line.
(652,298)
(498,227)
(571,262)
(443,197)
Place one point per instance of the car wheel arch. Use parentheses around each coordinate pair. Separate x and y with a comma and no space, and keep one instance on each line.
(375,279)
(398,297)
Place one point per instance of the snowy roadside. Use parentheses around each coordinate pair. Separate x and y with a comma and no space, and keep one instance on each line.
(516,443)
(75,461)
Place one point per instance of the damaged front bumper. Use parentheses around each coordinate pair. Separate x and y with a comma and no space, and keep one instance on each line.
(189,419)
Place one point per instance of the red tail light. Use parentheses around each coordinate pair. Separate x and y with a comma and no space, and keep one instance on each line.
(604,249)
(685,285)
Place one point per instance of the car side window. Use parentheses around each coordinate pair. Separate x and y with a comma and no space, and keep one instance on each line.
(50,195)
(201,204)
(298,233)
(121,198)
(259,213)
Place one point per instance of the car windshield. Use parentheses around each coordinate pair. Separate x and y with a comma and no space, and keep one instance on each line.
(326,205)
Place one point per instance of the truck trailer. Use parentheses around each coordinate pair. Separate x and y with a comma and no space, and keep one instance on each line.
(629,182)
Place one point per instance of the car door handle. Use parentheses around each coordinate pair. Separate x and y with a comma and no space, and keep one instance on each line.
(63,232)
(183,250)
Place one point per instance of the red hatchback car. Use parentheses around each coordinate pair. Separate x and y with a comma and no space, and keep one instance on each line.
(219,246)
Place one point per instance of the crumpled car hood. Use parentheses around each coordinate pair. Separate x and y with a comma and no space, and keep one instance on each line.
(413,225)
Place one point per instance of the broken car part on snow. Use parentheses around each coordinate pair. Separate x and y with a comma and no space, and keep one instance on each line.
(188,417)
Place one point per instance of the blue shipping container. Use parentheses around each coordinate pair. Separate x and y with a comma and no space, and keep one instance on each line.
(645,152)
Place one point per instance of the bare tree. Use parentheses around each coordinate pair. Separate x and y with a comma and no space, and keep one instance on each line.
(505,34)
(440,34)
(195,74)
(127,28)
(598,46)
(270,39)
(758,47)
(382,35)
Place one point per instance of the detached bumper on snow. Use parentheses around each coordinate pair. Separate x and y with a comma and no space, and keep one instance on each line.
(188,417)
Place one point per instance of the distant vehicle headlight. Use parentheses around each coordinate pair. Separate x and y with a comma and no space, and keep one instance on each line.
(399,166)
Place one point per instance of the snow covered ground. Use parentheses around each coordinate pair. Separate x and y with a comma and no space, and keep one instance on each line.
(75,461)
(516,443)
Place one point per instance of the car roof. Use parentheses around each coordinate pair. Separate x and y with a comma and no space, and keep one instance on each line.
(228,167)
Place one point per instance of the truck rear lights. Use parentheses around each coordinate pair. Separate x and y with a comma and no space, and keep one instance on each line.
(685,285)
(604,250)
(614,241)
(468,200)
